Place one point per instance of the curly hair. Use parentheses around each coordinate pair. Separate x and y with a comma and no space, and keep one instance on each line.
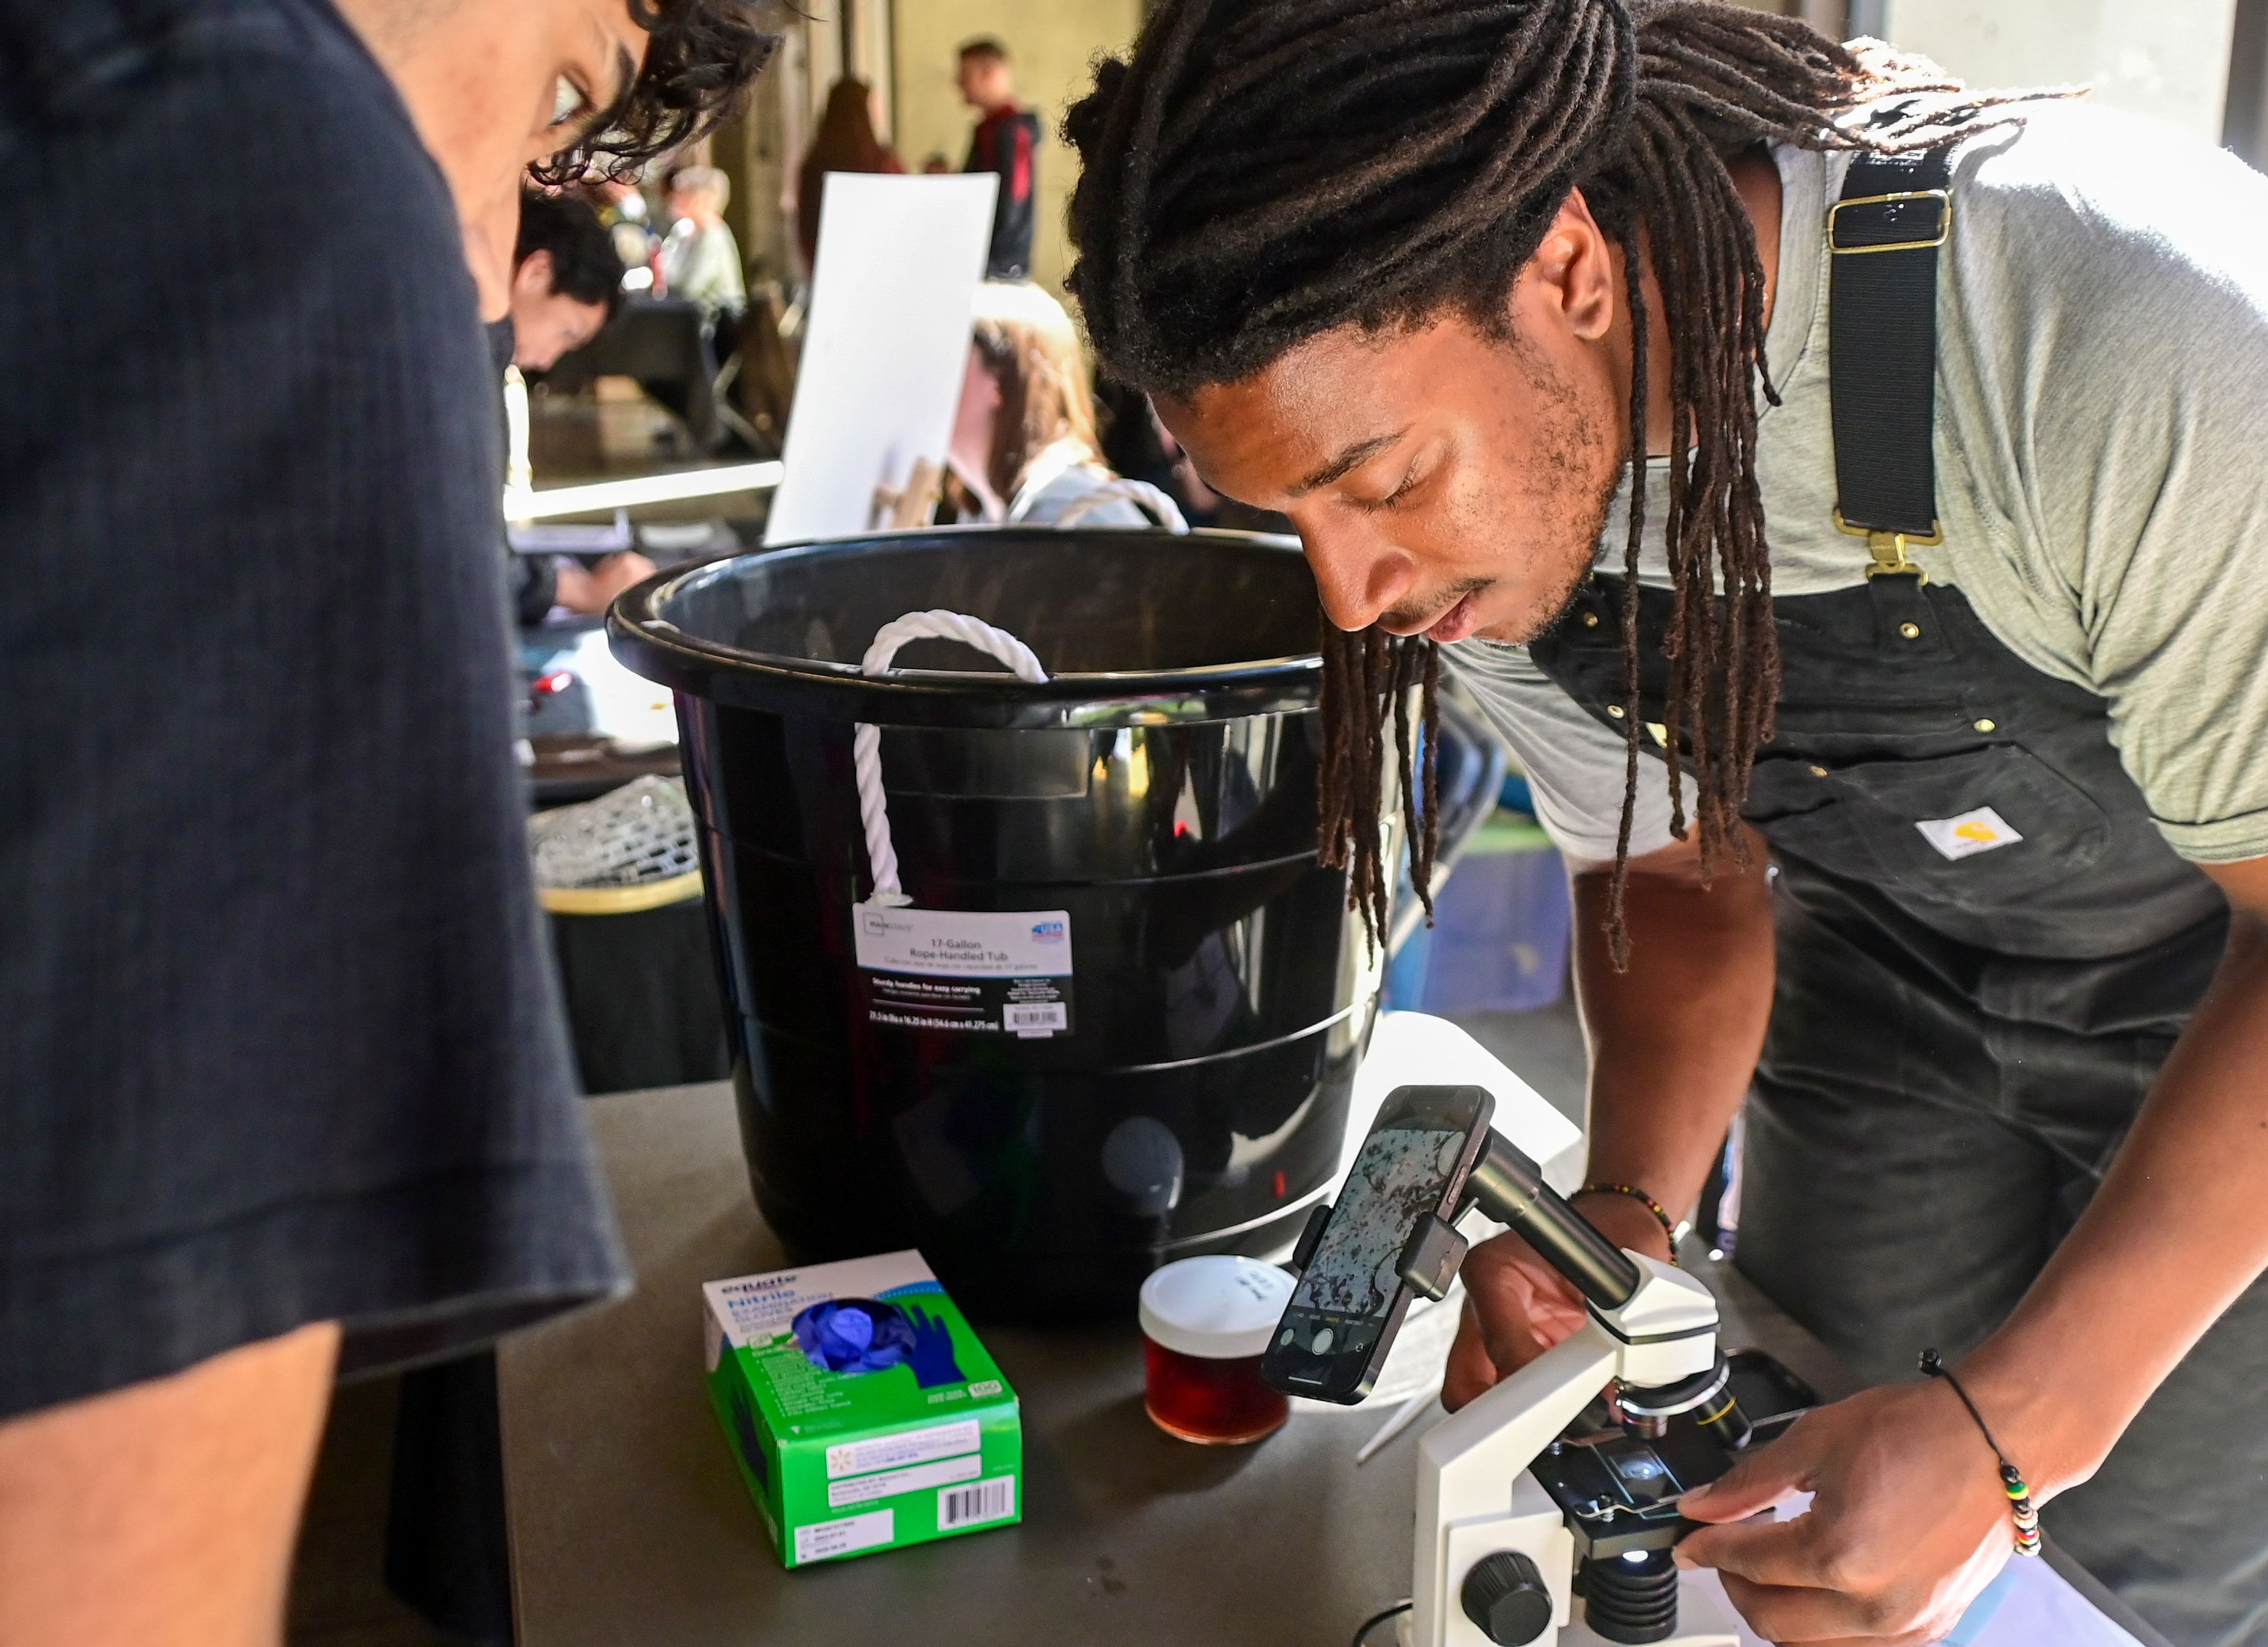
(1258,172)
(700,56)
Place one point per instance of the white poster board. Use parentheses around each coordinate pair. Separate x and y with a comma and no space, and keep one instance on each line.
(885,347)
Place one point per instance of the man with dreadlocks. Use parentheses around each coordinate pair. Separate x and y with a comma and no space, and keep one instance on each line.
(1433,277)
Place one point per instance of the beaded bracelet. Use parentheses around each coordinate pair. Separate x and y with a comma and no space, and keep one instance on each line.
(1668,1224)
(2020,1496)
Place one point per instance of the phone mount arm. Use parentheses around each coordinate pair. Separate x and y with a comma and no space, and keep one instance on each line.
(1508,1186)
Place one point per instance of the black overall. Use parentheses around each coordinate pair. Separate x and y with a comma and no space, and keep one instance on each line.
(1958,1044)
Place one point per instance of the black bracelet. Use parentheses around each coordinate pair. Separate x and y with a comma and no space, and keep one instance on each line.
(2020,1496)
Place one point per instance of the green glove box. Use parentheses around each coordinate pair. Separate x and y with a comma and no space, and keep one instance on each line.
(861,1408)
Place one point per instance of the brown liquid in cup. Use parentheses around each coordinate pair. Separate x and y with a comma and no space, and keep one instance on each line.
(1221,1403)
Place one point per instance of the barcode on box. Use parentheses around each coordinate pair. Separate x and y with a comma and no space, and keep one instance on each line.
(987,1501)
(1040,1015)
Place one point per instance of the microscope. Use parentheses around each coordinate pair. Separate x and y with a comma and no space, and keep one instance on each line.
(1544,1489)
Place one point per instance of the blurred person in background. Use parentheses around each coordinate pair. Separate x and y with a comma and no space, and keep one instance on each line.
(566,284)
(1006,142)
(283,1083)
(1140,446)
(700,260)
(1024,447)
(566,279)
(621,208)
(845,143)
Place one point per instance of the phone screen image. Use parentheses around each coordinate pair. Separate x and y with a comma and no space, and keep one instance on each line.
(1351,1292)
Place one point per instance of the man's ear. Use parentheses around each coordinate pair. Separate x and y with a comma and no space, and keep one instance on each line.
(1572,277)
(533,276)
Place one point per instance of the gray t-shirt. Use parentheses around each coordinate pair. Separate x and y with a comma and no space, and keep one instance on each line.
(2101,407)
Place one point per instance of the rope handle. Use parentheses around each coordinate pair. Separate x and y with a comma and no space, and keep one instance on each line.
(866,741)
(1140,493)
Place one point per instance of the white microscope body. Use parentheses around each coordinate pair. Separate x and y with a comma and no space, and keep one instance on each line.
(1475,1498)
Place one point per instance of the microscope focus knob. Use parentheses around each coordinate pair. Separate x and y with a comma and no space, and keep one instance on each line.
(1506,1597)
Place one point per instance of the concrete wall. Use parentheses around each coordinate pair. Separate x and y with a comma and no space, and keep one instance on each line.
(1051,43)
(2165,58)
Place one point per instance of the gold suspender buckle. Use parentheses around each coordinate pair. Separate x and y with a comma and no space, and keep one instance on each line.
(1937,237)
(1889,548)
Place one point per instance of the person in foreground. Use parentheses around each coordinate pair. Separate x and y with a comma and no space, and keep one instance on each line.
(1432,279)
(283,1089)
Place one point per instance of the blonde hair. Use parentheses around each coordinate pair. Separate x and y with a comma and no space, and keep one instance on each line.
(1030,347)
(703,179)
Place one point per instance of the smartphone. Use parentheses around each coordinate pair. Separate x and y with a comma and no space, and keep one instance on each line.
(1351,1298)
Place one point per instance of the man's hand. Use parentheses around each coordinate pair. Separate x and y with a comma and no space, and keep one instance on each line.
(591,593)
(1908,1522)
(1517,1306)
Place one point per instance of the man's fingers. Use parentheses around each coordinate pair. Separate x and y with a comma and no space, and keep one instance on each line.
(1522,1306)
(1516,1308)
(1469,1373)
(1797,1617)
(1762,1552)
(1759,1479)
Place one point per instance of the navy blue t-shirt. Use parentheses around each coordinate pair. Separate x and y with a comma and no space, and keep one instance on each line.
(279,1041)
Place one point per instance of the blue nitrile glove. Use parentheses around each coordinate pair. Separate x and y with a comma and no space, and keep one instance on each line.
(854,1335)
(933,1359)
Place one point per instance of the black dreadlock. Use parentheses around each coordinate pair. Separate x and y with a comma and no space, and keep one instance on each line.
(1261,172)
(1362,669)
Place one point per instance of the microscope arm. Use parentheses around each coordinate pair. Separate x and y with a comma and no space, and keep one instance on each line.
(1474,1493)
(1652,1327)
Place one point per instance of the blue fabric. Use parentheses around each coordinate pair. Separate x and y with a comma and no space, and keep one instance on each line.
(278,1040)
(1981,1611)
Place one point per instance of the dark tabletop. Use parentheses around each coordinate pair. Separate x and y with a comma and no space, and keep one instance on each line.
(630,1526)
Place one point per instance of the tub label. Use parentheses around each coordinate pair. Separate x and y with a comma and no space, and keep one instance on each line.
(998,972)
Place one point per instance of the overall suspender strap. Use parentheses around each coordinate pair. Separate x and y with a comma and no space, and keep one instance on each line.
(1884,234)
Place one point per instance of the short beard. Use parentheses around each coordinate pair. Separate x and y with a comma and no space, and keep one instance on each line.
(1569,470)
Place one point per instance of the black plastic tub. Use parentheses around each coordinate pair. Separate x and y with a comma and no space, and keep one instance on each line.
(1159,790)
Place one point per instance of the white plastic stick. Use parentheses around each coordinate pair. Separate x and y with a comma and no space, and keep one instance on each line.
(519,503)
(1403,1417)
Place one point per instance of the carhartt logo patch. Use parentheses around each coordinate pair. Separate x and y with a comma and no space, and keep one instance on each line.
(1968,834)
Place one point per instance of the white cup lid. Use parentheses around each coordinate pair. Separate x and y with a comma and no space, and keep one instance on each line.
(1217,1308)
